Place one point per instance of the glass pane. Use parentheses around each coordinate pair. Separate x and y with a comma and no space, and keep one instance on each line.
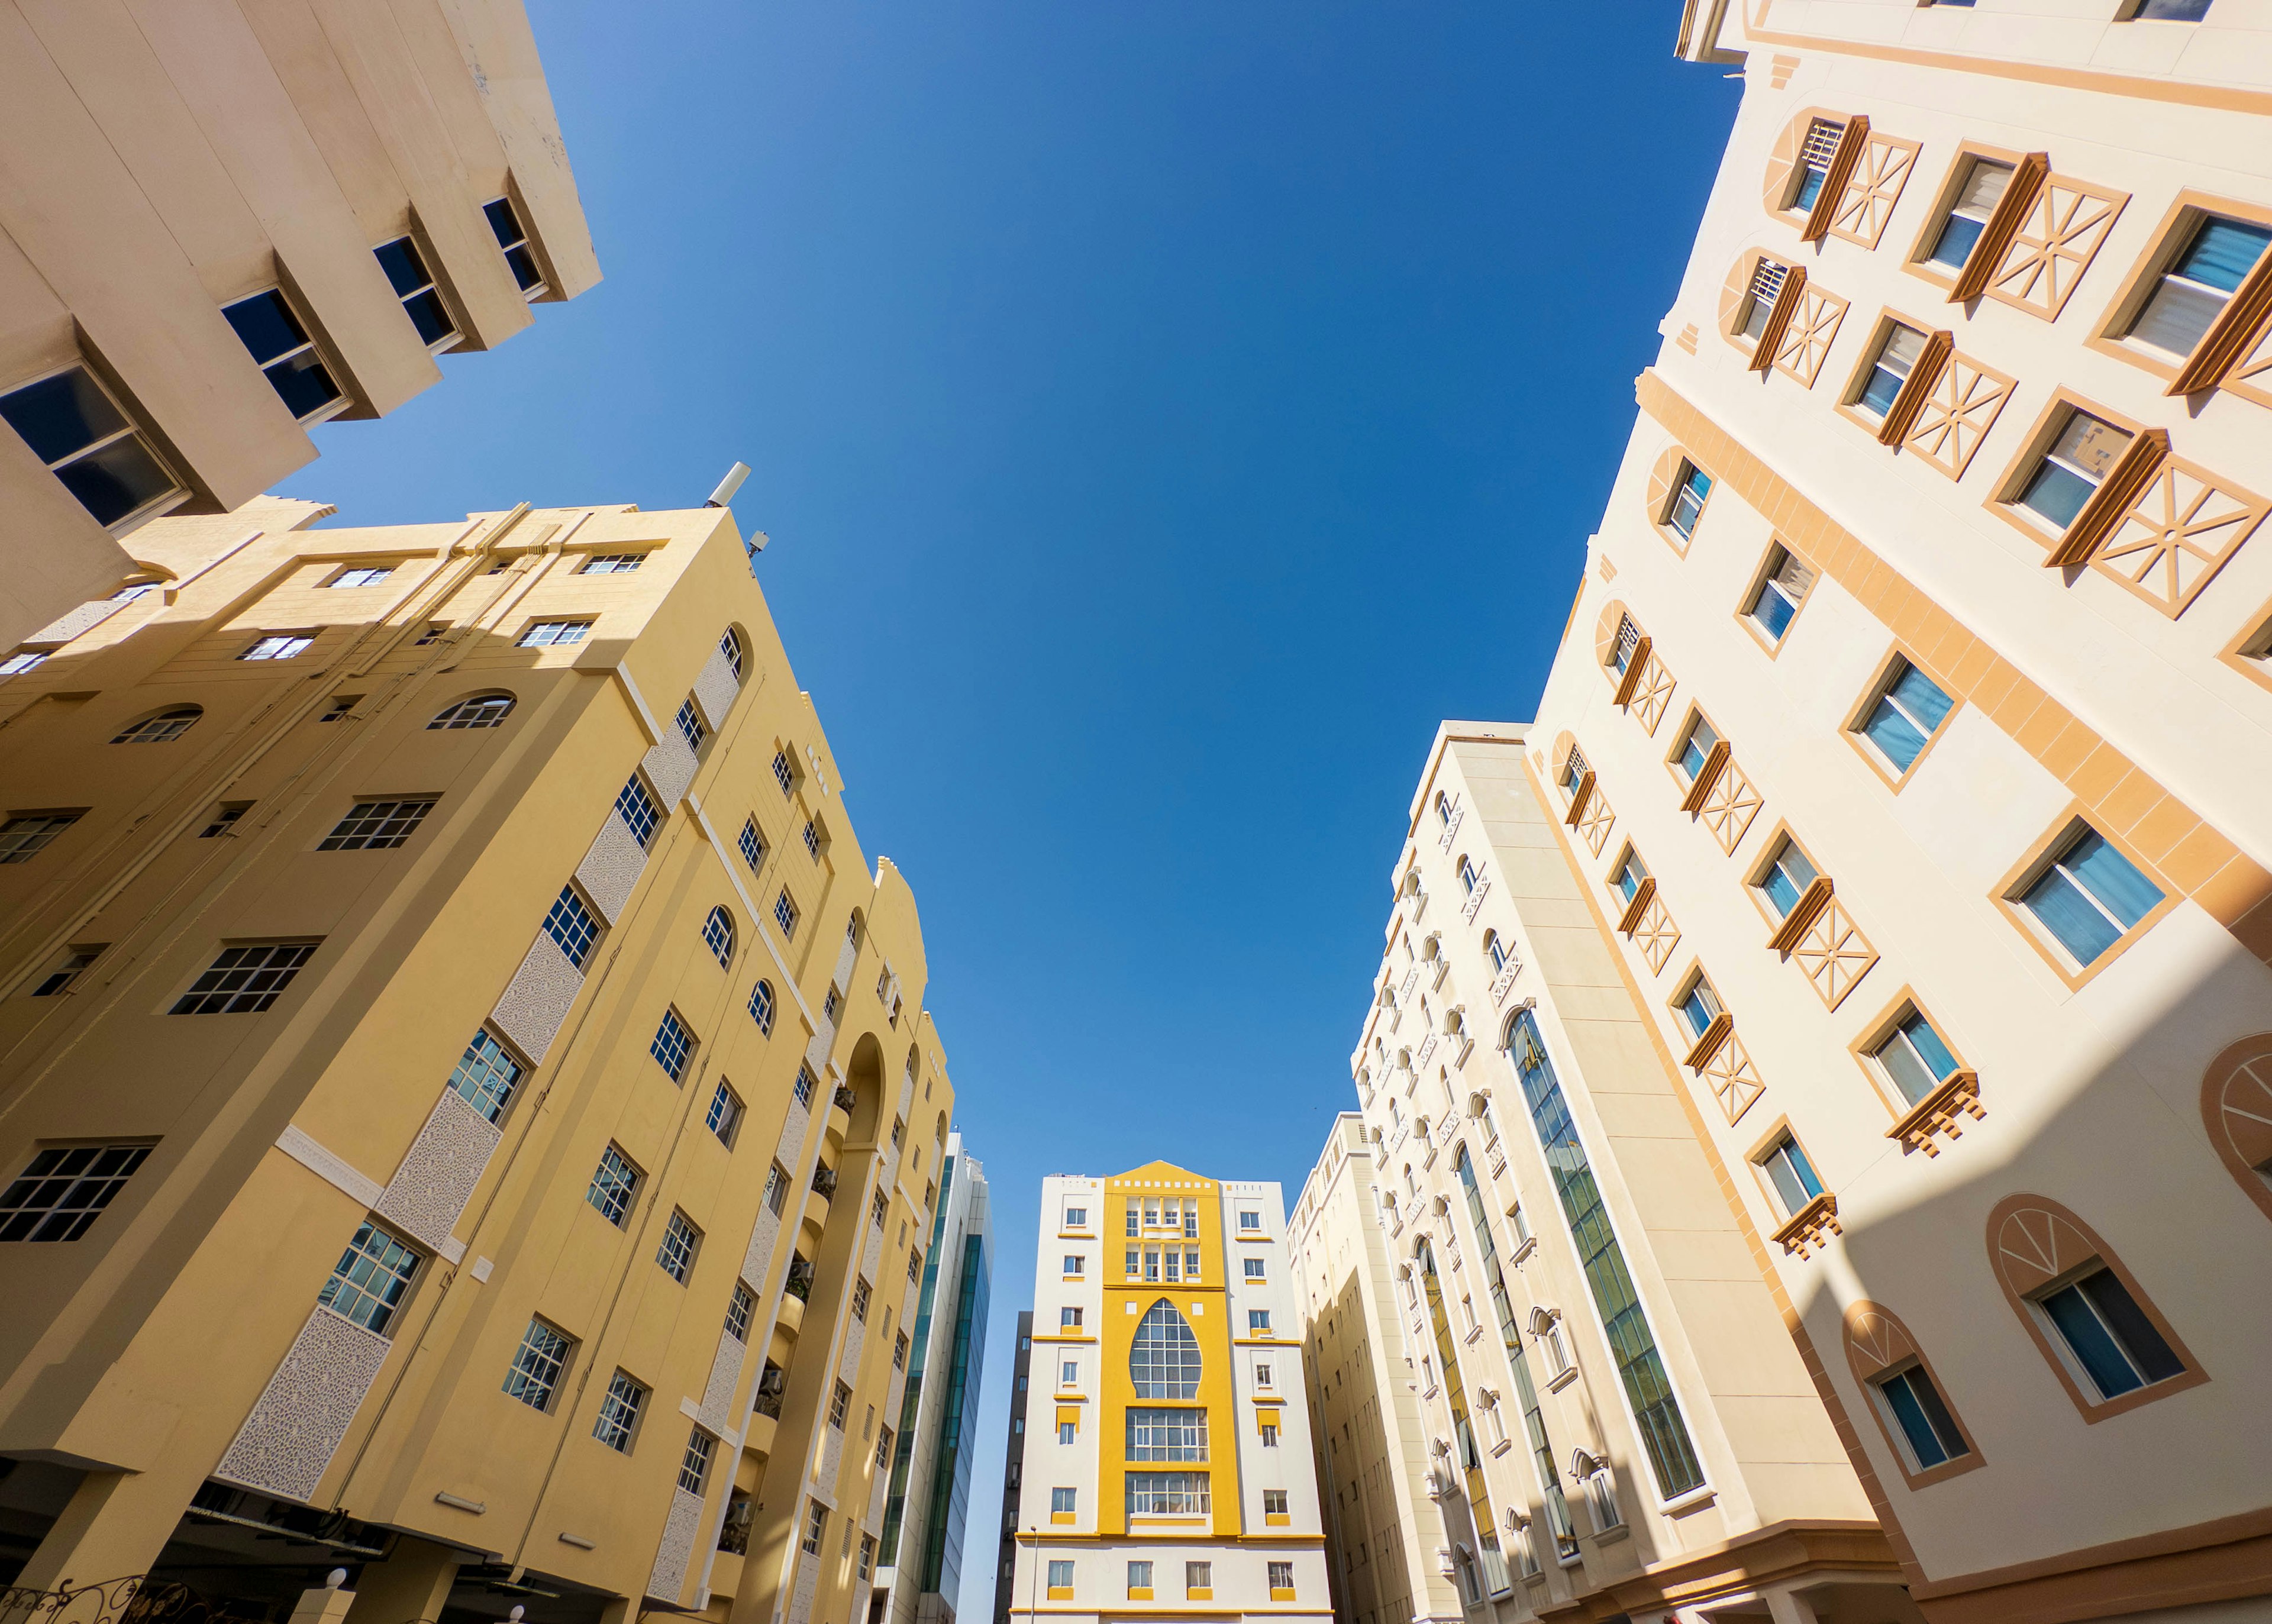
(1929,1047)
(2057,493)
(1785,1179)
(115,481)
(266,324)
(2176,316)
(1878,394)
(2173,11)
(1907,1069)
(1911,1415)
(2081,929)
(502,222)
(302,384)
(2093,1350)
(2147,1350)
(1903,346)
(2091,445)
(2113,879)
(1772,609)
(1756,314)
(1922,698)
(524,268)
(429,317)
(1983,188)
(405,270)
(1893,733)
(1810,188)
(61,414)
(2223,252)
(1955,244)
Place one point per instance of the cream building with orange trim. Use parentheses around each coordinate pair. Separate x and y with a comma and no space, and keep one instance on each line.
(1167,1469)
(228,222)
(468,1112)
(1912,738)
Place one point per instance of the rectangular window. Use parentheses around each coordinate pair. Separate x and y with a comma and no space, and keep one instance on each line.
(413,285)
(1253,1268)
(1199,1575)
(612,564)
(1167,1434)
(1695,747)
(805,1086)
(1760,299)
(1139,1577)
(619,1413)
(59,979)
(753,845)
(2078,462)
(1914,1059)
(899,1355)
(694,1467)
(1910,710)
(1066,1432)
(1262,1376)
(1076,1217)
(867,1555)
(636,808)
(1060,1575)
(1258,1322)
(1791,1174)
(839,1406)
(1168,1494)
(1822,137)
(1781,591)
(537,1366)
(816,1526)
(2107,1334)
(371,1279)
(1281,1575)
(376,826)
(614,1183)
(512,243)
(1191,1264)
(2170,10)
(1920,1417)
(1896,359)
(1074,1264)
(1787,875)
(1250,1223)
(739,1312)
(680,1242)
(1069,1319)
(26,835)
(1626,881)
(777,1183)
(571,926)
(280,348)
(691,727)
(23,660)
(65,1188)
(225,819)
(1062,1501)
(554,634)
(1688,496)
(1967,217)
(75,428)
(673,1042)
(360,575)
(245,981)
(2193,293)
(1621,652)
(812,840)
(1269,1434)
(2088,896)
(861,1293)
(784,771)
(279,646)
(725,1113)
(785,915)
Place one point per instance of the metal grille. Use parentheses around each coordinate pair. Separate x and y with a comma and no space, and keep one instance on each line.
(1822,138)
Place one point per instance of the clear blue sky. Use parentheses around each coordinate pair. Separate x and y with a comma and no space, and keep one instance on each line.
(1164,412)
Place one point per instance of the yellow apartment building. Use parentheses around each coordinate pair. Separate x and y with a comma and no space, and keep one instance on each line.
(468,1117)
(1911,738)
(224,223)
(1166,1468)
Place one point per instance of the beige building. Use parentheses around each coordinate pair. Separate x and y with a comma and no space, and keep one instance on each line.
(1911,737)
(1392,1559)
(224,222)
(1611,1415)
(468,1112)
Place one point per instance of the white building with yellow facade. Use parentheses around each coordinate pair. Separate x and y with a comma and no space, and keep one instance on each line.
(1168,1466)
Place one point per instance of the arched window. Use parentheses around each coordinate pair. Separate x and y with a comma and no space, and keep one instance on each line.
(1467,875)
(1546,1328)
(1443,807)
(2108,1345)
(1920,1424)
(1495,950)
(730,646)
(1163,1361)
(718,936)
(761,1007)
(2236,1106)
(482,710)
(163,728)
(1411,1180)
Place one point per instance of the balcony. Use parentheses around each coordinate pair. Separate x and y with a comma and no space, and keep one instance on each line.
(799,1284)
(824,1182)
(844,1098)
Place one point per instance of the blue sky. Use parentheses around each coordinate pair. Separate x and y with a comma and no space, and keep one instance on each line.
(1163,412)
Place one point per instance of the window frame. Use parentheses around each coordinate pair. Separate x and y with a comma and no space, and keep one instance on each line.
(1779,1135)
(1762,576)
(2004,496)
(134,518)
(311,343)
(1918,261)
(1684,464)
(1882,678)
(1867,1373)
(1708,771)
(2039,855)
(2110,335)
(1771,851)
(444,295)
(1880,1030)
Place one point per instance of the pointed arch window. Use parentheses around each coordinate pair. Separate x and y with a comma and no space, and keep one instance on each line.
(1164,1362)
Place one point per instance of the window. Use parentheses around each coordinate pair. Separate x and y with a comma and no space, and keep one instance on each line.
(1602,1497)
(65,1188)
(225,818)
(2107,1334)
(25,835)
(370,1280)
(740,1312)
(867,1556)
(2080,456)
(162,729)
(1074,1264)
(761,1007)
(680,1242)
(571,926)
(1759,301)
(1520,1224)
(900,1354)
(243,981)
(2088,894)
(812,840)
(1274,1502)
(422,300)
(1076,1217)
(861,1293)
(59,979)
(614,1183)
(784,771)
(1786,878)
(281,646)
(2170,10)
(1977,197)
(1062,1501)
(777,1183)
(553,633)
(280,348)
(1781,591)
(1199,1575)
(1167,1434)
(724,1116)
(1921,1418)
(805,1086)
(1060,1575)
(1139,1578)
(1909,711)
(1626,881)
(1814,157)
(342,707)
(487,710)
(694,1468)
(1262,1376)
(839,1406)
(23,660)
(2200,282)
(612,564)
(753,845)
(1069,1373)
(73,426)
(691,727)
(729,644)
(376,826)
(1695,747)
(1281,1575)
(1689,493)
(1914,1059)
(673,1042)
(1269,1434)
(718,936)
(785,914)
(1163,1358)
(512,242)
(1468,877)
(1249,1223)
(486,1076)
(1253,1268)
(1496,950)
(431,634)
(1069,1319)
(537,1366)
(1168,1494)
(1790,1173)
(1258,1322)
(619,1413)
(816,1525)
(1896,358)
(830,1004)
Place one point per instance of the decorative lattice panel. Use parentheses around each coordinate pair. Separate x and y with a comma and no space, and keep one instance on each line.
(538,998)
(676,1551)
(612,867)
(76,624)
(1596,822)
(2054,245)
(802,1591)
(2179,534)
(438,1176)
(1734,1081)
(717,1412)
(1656,936)
(715,688)
(296,1427)
(1868,201)
(759,1253)
(1806,341)
(1957,415)
(1835,954)
(1730,807)
(1653,694)
(670,767)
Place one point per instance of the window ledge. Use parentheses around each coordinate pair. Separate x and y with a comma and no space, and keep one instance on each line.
(1530,1246)
(1502,1446)
(1938,1112)
(1611,1536)
(1695,1499)
(1809,1226)
(1562,1379)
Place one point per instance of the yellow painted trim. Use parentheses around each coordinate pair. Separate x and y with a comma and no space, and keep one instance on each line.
(1060,1592)
(1198,1595)
(1064,1517)
(1281,1595)
(1278,1519)
(1135,1594)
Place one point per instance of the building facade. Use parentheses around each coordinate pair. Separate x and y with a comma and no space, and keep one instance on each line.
(1911,735)
(224,224)
(1014,1471)
(1170,1477)
(1614,1419)
(471,1116)
(1390,1557)
(928,1504)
